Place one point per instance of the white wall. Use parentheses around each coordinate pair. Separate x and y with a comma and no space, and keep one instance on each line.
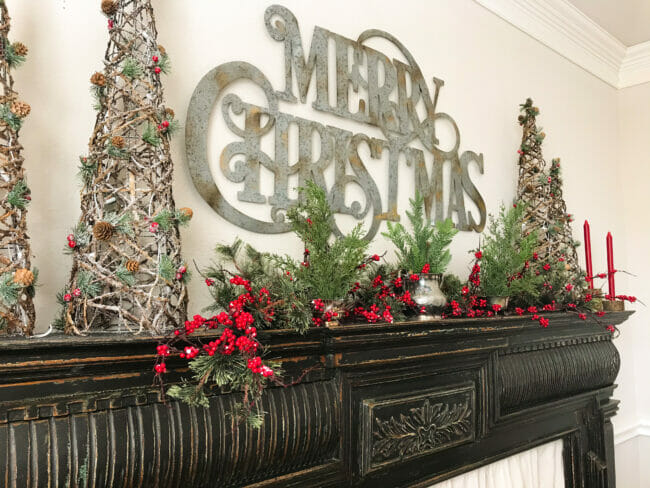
(634,128)
(489,68)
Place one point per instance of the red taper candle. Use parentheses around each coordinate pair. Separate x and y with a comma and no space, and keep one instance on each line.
(590,271)
(610,265)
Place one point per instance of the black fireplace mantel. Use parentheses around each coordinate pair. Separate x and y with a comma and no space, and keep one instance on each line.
(387,405)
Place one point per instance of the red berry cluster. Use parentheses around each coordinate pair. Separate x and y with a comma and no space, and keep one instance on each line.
(157,69)
(180,273)
(71,242)
(238,336)
(76,293)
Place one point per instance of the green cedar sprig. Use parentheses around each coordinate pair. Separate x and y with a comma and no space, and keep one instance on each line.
(426,243)
(505,251)
(333,266)
(17,196)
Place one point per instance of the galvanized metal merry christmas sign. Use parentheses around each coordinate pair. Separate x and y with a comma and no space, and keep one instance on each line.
(371,89)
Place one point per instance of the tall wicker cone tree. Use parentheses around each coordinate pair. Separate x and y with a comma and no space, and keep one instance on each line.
(532,188)
(17,280)
(127,272)
(541,191)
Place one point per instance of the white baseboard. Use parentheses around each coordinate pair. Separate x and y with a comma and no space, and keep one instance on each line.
(641,429)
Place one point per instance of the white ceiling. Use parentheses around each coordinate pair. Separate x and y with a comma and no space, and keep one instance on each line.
(627,20)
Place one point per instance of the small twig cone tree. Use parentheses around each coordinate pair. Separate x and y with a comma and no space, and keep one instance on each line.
(541,191)
(127,271)
(560,236)
(532,189)
(17,281)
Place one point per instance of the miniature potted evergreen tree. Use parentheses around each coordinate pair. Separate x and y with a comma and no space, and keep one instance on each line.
(423,253)
(505,255)
(330,266)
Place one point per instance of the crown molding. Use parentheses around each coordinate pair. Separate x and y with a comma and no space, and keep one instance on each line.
(635,68)
(562,27)
(641,429)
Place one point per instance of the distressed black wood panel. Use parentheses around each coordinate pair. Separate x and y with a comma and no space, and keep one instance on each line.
(388,405)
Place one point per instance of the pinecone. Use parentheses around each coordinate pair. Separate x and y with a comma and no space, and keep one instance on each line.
(19,49)
(162,50)
(117,141)
(20,109)
(132,266)
(103,231)
(98,79)
(109,7)
(187,212)
(23,277)
(170,112)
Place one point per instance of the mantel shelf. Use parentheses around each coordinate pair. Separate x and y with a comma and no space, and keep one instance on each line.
(505,383)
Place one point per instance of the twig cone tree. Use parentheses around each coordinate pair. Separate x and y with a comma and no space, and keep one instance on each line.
(560,235)
(17,281)
(532,189)
(127,271)
(541,191)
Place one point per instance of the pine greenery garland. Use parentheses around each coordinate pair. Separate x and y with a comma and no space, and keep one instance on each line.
(425,244)
(225,372)
(289,296)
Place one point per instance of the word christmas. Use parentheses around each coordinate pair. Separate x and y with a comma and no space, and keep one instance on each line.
(391,95)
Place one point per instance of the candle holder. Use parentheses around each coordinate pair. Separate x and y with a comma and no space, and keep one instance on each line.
(597,296)
(613,305)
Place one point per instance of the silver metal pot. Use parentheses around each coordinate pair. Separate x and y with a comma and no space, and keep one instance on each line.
(426,292)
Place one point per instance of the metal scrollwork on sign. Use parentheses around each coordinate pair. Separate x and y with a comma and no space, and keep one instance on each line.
(392,96)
